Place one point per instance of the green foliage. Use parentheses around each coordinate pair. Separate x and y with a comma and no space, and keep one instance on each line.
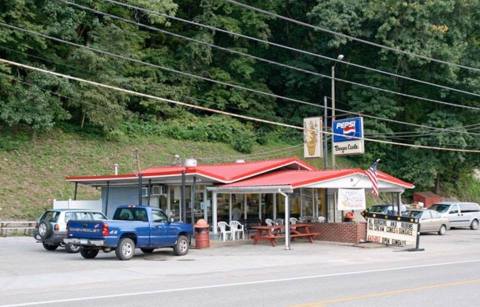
(444,29)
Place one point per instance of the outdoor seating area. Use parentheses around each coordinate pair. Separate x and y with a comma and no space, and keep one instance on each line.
(276,232)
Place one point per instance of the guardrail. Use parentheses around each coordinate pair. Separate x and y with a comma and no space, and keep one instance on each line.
(16,228)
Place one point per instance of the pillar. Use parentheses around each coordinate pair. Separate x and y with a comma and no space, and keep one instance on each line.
(260,207)
(214,212)
(169,200)
(205,203)
(301,202)
(287,222)
(245,212)
(274,206)
(230,207)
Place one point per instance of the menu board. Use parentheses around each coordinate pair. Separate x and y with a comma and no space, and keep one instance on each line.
(390,230)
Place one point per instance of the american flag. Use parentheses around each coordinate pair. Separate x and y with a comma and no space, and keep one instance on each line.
(372,175)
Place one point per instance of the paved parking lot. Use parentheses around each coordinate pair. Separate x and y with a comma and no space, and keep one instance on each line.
(29,274)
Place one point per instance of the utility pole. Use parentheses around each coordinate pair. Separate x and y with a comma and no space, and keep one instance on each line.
(325,129)
(139,175)
(339,58)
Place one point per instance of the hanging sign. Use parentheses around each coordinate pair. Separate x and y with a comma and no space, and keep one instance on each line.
(390,230)
(348,136)
(351,199)
(312,137)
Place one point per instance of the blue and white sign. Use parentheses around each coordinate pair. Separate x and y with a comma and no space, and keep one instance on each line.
(348,136)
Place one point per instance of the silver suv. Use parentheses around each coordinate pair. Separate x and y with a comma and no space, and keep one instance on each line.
(459,214)
(51,227)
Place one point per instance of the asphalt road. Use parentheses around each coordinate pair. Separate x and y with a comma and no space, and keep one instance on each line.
(447,273)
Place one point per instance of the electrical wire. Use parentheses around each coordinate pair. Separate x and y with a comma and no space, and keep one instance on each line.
(353,38)
(213,80)
(306,71)
(317,55)
(211,110)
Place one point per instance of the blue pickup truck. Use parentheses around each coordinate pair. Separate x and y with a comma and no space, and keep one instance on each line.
(132,227)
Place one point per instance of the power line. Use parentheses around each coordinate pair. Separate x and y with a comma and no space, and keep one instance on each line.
(291,48)
(245,117)
(269,61)
(396,50)
(212,80)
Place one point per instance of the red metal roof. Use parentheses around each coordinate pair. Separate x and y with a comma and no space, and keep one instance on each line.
(299,178)
(223,173)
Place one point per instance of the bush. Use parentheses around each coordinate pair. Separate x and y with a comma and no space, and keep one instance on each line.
(214,128)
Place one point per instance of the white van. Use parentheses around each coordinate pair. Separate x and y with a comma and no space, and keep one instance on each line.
(459,214)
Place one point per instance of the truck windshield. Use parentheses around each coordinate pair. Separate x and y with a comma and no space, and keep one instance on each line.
(131,214)
(442,208)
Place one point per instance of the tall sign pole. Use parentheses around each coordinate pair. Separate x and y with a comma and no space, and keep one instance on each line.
(325,128)
(333,113)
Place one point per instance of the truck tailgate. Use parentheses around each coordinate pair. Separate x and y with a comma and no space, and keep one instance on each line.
(85,229)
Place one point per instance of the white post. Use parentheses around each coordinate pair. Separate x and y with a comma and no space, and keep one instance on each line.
(260,207)
(245,207)
(287,220)
(205,202)
(230,207)
(274,206)
(69,203)
(314,205)
(214,212)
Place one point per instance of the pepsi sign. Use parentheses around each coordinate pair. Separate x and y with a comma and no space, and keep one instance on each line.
(347,129)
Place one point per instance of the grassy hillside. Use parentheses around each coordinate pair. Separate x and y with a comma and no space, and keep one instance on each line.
(33,174)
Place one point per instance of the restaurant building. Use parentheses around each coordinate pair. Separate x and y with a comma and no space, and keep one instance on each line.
(248,192)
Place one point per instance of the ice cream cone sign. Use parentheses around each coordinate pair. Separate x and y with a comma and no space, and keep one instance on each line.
(312,134)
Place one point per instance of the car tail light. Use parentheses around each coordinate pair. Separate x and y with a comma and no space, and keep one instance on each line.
(56,227)
(105,230)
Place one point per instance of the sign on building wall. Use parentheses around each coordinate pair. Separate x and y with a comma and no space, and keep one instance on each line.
(312,137)
(389,230)
(348,136)
(351,199)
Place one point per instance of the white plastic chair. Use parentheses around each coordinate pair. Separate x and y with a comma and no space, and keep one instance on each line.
(321,219)
(236,227)
(223,230)
(279,222)
(293,220)
(269,222)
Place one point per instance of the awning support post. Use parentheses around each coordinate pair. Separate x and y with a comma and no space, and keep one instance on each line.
(274,206)
(192,199)
(183,209)
(260,207)
(75,191)
(230,207)
(287,220)
(245,209)
(106,197)
(214,213)
(149,191)
(140,190)
(205,202)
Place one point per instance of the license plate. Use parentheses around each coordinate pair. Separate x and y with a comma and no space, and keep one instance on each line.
(83,241)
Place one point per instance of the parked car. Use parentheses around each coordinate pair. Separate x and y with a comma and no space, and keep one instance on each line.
(460,214)
(430,220)
(51,228)
(387,209)
(132,227)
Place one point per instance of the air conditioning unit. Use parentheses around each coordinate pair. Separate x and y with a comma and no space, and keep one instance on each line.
(159,190)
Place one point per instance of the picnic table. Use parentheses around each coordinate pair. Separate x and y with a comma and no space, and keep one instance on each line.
(272,233)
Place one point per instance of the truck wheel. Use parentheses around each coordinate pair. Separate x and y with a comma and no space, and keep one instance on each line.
(72,249)
(147,250)
(50,247)
(181,248)
(88,253)
(474,225)
(45,230)
(125,249)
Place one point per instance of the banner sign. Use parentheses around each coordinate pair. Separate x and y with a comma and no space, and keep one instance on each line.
(312,137)
(351,199)
(348,136)
(392,230)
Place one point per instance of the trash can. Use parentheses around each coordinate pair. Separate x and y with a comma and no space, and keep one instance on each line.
(202,237)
